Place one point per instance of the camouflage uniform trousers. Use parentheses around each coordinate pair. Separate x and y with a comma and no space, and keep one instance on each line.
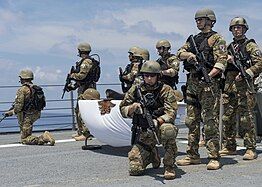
(26,121)
(141,156)
(203,106)
(237,99)
(81,128)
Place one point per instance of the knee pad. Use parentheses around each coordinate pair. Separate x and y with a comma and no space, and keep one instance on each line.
(168,131)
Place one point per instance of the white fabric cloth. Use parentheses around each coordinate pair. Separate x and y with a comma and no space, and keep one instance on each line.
(111,128)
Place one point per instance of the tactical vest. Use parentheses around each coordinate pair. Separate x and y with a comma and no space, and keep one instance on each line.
(154,105)
(240,46)
(201,40)
(128,70)
(171,81)
(94,73)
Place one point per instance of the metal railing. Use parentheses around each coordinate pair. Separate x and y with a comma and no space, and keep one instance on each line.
(58,114)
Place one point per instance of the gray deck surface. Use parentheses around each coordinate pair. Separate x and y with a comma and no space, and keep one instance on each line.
(66,164)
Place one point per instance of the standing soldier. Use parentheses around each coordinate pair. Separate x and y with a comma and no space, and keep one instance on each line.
(28,110)
(169,63)
(162,106)
(86,74)
(204,58)
(244,63)
(130,75)
(136,55)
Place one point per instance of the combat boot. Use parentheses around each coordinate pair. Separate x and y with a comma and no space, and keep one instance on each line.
(155,158)
(136,170)
(213,164)
(188,161)
(75,135)
(250,154)
(80,138)
(47,137)
(170,173)
(226,151)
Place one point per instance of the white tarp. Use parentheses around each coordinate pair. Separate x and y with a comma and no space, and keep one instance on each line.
(111,128)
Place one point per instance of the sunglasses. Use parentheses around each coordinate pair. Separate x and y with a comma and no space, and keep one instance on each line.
(149,75)
(199,19)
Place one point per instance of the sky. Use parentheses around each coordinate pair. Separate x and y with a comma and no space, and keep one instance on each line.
(42,35)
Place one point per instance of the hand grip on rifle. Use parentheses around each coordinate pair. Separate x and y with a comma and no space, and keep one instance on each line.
(147,114)
(238,64)
(201,61)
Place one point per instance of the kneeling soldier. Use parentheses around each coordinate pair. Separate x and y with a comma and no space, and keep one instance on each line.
(27,113)
(157,100)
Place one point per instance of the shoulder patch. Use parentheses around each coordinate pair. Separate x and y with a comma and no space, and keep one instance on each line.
(258,53)
(83,66)
(222,48)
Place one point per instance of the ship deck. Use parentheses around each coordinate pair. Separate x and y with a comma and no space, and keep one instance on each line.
(66,164)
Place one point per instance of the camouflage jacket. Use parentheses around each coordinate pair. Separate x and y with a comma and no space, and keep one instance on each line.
(253,53)
(165,99)
(131,73)
(170,64)
(84,69)
(22,96)
(218,45)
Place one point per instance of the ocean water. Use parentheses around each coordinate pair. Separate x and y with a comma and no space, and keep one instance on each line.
(48,121)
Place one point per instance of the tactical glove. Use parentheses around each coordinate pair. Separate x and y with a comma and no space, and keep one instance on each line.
(135,108)
(9,113)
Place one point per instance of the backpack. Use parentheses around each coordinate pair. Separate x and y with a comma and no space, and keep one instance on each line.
(95,71)
(37,99)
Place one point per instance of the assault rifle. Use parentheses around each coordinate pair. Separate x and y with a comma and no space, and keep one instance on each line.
(5,115)
(68,81)
(238,57)
(146,114)
(201,61)
(3,118)
(123,84)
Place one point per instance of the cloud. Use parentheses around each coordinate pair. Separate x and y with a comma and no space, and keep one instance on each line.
(6,64)
(110,32)
(47,75)
(9,19)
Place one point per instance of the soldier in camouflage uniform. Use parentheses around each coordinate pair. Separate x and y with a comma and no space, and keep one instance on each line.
(163,110)
(238,96)
(84,80)
(202,98)
(169,63)
(136,57)
(27,117)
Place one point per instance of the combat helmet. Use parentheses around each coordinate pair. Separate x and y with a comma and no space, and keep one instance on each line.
(91,94)
(133,49)
(138,52)
(238,21)
(84,47)
(26,74)
(145,54)
(206,13)
(150,66)
(163,43)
